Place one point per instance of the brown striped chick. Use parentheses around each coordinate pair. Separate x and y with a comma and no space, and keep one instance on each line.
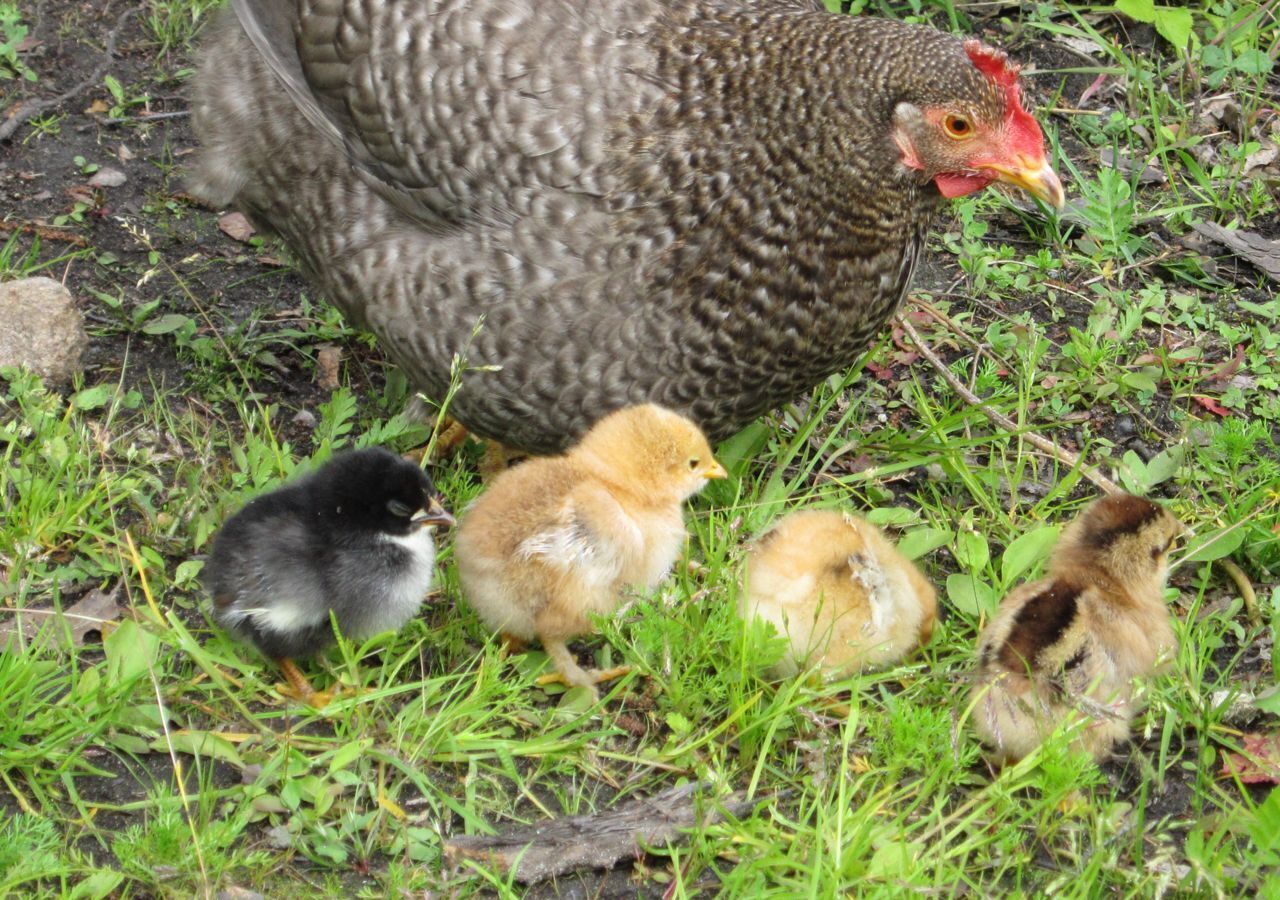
(558,538)
(1070,644)
(842,594)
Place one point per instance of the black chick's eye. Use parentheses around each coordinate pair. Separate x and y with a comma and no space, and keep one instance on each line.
(693,463)
(957,126)
(396,508)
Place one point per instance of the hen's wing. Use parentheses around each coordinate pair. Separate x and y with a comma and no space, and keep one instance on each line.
(463,108)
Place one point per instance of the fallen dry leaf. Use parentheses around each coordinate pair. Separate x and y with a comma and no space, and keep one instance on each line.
(1222,374)
(1261,158)
(108,177)
(328,365)
(1212,405)
(1260,762)
(1247,245)
(91,613)
(235,226)
(97,107)
(1126,166)
(884,373)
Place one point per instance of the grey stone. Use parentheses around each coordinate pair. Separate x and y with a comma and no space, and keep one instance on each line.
(41,329)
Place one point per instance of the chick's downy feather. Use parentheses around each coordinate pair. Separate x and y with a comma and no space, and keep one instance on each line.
(327,542)
(708,204)
(556,540)
(839,591)
(1068,648)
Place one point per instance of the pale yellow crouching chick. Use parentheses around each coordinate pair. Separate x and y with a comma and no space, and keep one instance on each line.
(1068,647)
(840,592)
(558,538)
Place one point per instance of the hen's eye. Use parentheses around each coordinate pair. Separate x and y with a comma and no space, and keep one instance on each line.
(957,126)
(693,463)
(396,508)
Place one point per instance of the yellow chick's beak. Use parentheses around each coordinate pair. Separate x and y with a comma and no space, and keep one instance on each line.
(1036,177)
(434,514)
(714,470)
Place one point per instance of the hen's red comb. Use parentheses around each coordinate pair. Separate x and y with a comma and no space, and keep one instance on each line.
(992,62)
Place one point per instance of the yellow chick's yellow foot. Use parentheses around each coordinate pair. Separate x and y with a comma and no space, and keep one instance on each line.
(570,674)
(594,676)
(511,645)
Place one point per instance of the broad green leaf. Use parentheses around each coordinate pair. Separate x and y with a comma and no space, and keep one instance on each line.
(895,860)
(736,453)
(95,397)
(167,323)
(199,743)
(1027,550)
(891,517)
(100,884)
(1139,381)
(1164,465)
(1174,25)
(130,651)
(971,549)
(1269,702)
(919,541)
(348,753)
(1253,62)
(971,596)
(1215,546)
(1139,10)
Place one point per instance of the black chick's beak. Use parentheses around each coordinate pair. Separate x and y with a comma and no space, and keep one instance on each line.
(434,514)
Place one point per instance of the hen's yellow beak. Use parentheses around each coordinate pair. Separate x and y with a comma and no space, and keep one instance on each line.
(1036,177)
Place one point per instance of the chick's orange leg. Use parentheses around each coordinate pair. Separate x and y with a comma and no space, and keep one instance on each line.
(511,644)
(298,687)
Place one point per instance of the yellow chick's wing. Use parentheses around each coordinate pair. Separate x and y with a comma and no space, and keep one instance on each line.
(590,537)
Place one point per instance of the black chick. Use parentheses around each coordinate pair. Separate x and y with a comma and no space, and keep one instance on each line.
(354,538)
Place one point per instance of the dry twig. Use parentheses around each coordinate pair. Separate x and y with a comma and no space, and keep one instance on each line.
(34,108)
(537,852)
(1038,441)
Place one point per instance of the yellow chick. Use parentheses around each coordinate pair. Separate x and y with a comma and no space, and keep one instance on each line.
(1071,644)
(840,592)
(557,538)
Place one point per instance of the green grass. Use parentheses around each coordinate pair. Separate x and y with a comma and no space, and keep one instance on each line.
(157,759)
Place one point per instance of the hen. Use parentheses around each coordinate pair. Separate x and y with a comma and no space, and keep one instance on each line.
(707,204)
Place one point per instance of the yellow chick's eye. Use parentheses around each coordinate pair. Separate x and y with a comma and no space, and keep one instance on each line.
(957,126)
